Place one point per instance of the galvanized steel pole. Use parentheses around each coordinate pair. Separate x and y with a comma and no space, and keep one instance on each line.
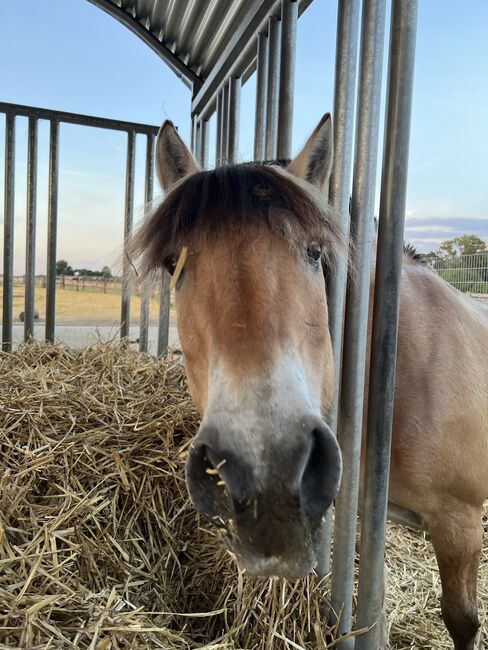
(339,192)
(385,318)
(146,285)
(289,17)
(220,113)
(203,161)
(30,234)
(272,106)
(261,94)
(52,230)
(350,422)
(8,233)
(164,311)
(128,221)
(234,115)
(224,154)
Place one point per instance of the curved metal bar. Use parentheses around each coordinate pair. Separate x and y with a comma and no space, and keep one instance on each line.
(186,74)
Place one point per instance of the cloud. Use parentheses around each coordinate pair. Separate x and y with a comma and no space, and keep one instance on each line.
(427,233)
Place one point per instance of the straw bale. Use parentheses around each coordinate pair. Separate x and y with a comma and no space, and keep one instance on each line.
(100,548)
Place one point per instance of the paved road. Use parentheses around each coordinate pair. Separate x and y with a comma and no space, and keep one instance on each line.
(79,336)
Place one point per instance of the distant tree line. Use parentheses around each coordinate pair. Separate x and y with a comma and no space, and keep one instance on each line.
(469,274)
(462,245)
(63,268)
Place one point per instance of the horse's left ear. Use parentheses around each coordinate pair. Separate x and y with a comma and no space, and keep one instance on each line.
(173,158)
(314,162)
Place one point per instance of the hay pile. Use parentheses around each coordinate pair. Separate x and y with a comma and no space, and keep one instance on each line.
(99,546)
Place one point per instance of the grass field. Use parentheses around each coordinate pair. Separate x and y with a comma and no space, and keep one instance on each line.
(83,307)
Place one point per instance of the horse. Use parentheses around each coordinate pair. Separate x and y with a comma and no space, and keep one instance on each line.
(252,247)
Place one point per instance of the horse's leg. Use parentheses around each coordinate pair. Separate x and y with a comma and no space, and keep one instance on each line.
(457,540)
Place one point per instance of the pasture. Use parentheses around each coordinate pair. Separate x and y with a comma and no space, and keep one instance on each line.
(101,548)
(82,307)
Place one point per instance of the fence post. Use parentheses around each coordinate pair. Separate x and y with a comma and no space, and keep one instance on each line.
(339,184)
(8,233)
(350,420)
(52,231)
(261,94)
(30,235)
(385,318)
(129,209)
(274,38)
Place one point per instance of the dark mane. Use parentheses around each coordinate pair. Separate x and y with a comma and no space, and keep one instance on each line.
(410,251)
(229,200)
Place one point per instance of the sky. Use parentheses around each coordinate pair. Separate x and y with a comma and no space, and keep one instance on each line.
(70,55)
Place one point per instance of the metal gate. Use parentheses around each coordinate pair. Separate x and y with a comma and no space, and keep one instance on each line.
(263,38)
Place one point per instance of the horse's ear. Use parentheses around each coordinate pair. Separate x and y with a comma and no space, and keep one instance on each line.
(173,158)
(314,162)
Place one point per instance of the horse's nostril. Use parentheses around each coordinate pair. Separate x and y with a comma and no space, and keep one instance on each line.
(322,473)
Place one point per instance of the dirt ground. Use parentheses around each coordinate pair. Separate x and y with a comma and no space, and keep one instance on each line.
(83,307)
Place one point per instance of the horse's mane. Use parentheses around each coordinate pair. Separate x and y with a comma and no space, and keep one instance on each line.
(229,200)
(409,250)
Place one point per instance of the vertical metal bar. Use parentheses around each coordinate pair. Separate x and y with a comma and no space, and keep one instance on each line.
(52,230)
(220,113)
(128,221)
(339,192)
(204,144)
(197,142)
(164,311)
(224,154)
(272,106)
(192,132)
(30,235)
(385,318)
(289,17)
(350,422)
(261,94)
(146,285)
(8,232)
(234,115)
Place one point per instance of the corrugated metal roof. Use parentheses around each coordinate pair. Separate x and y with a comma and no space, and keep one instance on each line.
(190,35)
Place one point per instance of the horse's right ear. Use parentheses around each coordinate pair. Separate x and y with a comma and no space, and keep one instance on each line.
(173,158)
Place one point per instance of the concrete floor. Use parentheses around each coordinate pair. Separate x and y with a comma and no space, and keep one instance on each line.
(79,336)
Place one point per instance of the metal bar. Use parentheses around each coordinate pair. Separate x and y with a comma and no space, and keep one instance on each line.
(289,17)
(185,73)
(274,31)
(193,132)
(339,192)
(30,236)
(75,118)
(8,233)
(198,140)
(385,318)
(128,221)
(234,115)
(146,285)
(261,94)
(239,56)
(52,230)
(224,152)
(350,422)
(164,311)
(220,113)
(204,141)
(241,42)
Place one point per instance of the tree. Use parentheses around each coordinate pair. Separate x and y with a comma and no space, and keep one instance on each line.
(106,272)
(462,245)
(63,268)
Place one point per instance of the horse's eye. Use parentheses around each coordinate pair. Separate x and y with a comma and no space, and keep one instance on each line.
(170,265)
(314,252)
